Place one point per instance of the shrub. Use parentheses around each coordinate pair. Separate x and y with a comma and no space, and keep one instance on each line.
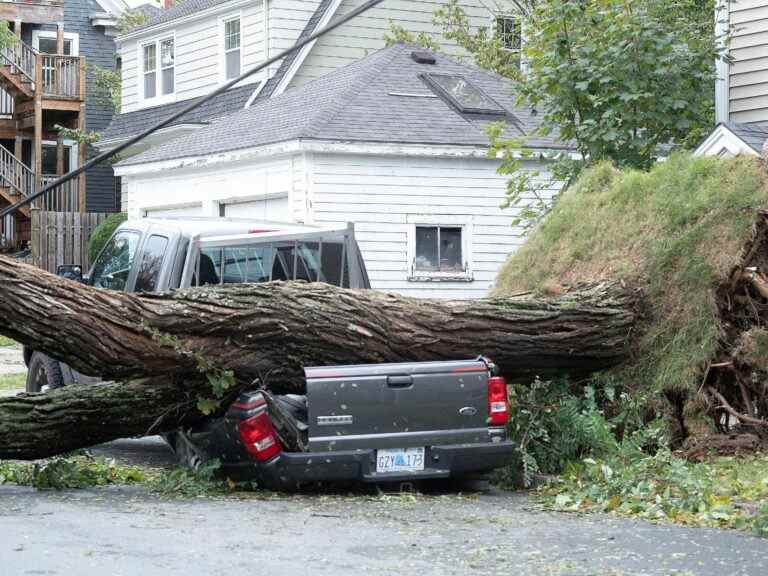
(103,233)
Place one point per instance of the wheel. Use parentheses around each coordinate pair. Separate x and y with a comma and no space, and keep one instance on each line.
(43,374)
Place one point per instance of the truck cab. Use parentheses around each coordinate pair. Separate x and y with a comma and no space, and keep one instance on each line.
(157,255)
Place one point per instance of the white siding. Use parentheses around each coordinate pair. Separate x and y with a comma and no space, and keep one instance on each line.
(386,196)
(210,186)
(365,35)
(199,51)
(748,78)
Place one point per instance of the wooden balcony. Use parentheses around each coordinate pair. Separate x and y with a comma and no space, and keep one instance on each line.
(33,11)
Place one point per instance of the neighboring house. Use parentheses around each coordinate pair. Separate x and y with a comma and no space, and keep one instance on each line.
(742,87)
(191,49)
(394,143)
(44,81)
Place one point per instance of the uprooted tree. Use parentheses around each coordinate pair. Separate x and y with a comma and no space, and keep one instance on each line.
(659,279)
(171,354)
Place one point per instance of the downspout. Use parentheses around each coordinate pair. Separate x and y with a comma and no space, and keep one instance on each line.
(722,67)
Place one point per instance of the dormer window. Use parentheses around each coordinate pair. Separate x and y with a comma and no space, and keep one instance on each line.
(159,68)
(232,52)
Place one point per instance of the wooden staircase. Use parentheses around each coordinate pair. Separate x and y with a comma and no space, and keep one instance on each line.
(38,91)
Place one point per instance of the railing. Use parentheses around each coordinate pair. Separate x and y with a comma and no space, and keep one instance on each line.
(60,75)
(21,58)
(15,174)
(63,198)
(6,104)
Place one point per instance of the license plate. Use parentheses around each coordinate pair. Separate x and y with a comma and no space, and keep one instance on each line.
(400,460)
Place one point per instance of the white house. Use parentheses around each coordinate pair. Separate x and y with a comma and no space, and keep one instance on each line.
(394,143)
(741,91)
(189,50)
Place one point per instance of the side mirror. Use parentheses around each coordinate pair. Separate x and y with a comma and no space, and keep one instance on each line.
(70,272)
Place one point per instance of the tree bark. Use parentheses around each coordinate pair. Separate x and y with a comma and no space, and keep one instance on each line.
(268,332)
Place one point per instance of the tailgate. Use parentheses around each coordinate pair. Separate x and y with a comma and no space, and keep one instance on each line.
(397,405)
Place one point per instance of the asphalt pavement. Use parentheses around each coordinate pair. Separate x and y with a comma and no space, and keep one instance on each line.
(128,531)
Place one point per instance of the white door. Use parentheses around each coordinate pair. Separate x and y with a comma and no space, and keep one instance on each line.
(275,209)
(174,212)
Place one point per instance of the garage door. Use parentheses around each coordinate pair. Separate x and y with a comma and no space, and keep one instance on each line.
(275,209)
(177,212)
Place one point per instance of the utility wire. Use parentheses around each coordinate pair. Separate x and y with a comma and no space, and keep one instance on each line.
(138,138)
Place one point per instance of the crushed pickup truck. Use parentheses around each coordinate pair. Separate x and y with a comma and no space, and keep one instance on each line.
(375,423)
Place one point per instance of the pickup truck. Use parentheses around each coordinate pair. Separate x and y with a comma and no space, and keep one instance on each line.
(375,423)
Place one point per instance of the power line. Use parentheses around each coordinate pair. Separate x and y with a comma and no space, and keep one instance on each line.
(138,138)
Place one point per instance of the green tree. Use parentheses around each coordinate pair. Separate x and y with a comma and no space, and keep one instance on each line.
(619,78)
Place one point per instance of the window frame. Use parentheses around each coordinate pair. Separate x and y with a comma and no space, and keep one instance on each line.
(440,91)
(465,223)
(495,17)
(223,46)
(73,37)
(159,97)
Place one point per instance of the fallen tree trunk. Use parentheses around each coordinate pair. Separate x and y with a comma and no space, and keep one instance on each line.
(268,332)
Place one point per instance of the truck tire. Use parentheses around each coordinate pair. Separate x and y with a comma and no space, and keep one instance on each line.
(44,374)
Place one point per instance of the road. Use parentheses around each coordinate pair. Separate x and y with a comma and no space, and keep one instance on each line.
(127,531)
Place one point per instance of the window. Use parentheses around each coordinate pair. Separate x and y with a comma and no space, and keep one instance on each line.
(463,95)
(167,65)
(439,249)
(232,48)
(114,264)
(159,73)
(509,29)
(150,71)
(151,264)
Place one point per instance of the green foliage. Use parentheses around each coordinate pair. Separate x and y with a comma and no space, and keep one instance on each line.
(727,492)
(80,136)
(106,86)
(618,77)
(675,231)
(69,472)
(103,233)
(6,342)
(558,422)
(129,20)
(221,381)
(398,34)
(190,483)
(483,44)
(6,36)
(13,382)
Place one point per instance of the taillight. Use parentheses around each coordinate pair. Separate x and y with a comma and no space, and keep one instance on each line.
(498,402)
(259,437)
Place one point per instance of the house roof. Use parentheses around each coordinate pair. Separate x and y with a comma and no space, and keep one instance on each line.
(285,65)
(124,126)
(753,135)
(150,11)
(382,99)
(185,8)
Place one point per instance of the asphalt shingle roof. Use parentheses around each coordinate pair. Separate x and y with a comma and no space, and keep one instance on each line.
(126,125)
(381,98)
(754,135)
(185,8)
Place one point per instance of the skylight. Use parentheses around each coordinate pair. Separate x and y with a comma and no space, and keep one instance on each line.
(463,95)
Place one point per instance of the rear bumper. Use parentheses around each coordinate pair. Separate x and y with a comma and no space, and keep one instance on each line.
(292,469)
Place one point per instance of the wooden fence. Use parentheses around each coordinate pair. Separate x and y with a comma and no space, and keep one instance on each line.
(62,238)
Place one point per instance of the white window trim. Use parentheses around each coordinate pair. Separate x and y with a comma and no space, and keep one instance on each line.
(222,51)
(448,221)
(74,37)
(159,98)
(497,15)
(73,156)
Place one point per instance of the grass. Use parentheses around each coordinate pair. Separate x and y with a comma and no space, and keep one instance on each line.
(13,382)
(675,231)
(6,342)
(725,492)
